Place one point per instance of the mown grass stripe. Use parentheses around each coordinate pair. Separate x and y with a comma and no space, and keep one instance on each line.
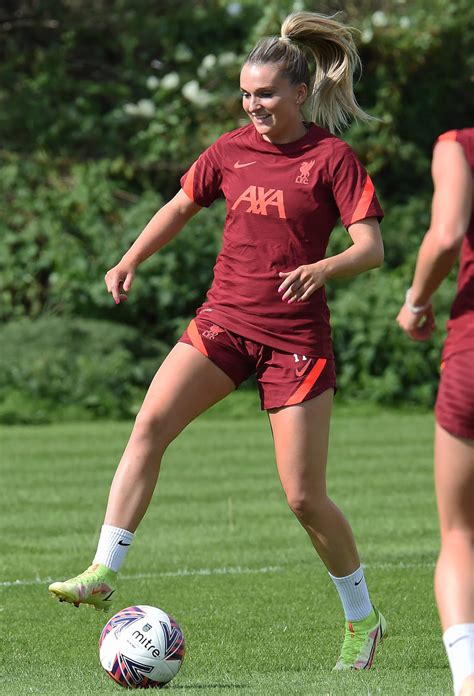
(215,571)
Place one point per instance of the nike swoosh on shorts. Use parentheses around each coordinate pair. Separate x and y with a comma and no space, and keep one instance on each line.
(300,373)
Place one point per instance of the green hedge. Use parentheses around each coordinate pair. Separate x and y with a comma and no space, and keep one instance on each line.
(376,361)
(62,234)
(60,369)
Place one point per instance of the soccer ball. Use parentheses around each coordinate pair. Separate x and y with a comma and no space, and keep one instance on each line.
(141,647)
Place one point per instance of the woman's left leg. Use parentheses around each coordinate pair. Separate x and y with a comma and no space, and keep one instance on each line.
(301,436)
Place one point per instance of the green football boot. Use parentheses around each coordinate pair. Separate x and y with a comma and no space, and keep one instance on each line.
(360,642)
(95,586)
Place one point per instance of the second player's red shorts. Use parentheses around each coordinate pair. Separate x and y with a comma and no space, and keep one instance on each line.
(455,401)
(283,378)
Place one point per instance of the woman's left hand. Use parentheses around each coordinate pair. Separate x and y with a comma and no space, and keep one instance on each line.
(299,285)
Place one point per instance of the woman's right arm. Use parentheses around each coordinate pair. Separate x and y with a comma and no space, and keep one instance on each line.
(439,250)
(161,229)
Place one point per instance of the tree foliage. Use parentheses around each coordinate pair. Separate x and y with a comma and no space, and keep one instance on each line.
(103,106)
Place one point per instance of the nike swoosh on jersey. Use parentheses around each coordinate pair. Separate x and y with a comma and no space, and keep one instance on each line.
(239,165)
(300,373)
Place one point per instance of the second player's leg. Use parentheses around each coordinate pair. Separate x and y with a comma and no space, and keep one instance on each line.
(301,435)
(454,476)
(454,577)
(186,384)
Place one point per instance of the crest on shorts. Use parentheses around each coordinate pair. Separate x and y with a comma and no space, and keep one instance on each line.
(212,332)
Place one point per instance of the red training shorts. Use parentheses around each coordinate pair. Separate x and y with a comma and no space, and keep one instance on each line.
(454,408)
(283,378)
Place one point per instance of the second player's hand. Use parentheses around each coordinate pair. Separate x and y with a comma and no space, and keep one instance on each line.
(300,284)
(119,281)
(418,327)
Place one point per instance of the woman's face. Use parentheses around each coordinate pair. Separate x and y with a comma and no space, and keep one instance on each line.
(272,102)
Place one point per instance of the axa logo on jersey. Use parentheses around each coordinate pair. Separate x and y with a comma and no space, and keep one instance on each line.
(261,200)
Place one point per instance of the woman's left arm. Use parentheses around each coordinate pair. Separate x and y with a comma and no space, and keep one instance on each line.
(366,252)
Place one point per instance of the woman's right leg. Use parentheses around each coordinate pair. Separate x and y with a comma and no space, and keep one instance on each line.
(454,578)
(187,384)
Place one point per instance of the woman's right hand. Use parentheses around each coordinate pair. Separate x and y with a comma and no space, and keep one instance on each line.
(119,280)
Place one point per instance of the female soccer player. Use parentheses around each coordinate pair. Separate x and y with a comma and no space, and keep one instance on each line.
(452,231)
(286,182)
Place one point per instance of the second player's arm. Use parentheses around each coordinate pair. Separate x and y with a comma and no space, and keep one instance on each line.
(450,214)
(161,229)
(451,210)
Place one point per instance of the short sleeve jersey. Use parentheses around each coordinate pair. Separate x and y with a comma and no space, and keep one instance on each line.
(282,203)
(461,321)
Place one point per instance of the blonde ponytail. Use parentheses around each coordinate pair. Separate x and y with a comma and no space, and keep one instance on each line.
(332,47)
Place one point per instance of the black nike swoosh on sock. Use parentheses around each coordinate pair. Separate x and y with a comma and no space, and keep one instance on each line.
(457,640)
(359,581)
(122,543)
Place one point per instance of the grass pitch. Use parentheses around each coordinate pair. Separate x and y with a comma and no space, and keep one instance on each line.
(221,552)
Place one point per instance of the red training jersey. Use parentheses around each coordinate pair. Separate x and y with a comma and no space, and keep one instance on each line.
(461,322)
(282,203)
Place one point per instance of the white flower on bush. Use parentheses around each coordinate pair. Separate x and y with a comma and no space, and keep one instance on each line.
(405,22)
(152,82)
(225,59)
(298,6)
(367,35)
(130,109)
(379,19)
(145,108)
(191,90)
(209,61)
(193,93)
(207,64)
(234,9)
(170,81)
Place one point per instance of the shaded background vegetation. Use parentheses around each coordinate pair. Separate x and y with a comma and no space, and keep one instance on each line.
(105,103)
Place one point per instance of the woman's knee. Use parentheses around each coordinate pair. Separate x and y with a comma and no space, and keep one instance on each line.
(307,507)
(152,428)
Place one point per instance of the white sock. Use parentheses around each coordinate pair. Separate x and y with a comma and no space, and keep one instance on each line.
(113,546)
(459,643)
(354,595)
